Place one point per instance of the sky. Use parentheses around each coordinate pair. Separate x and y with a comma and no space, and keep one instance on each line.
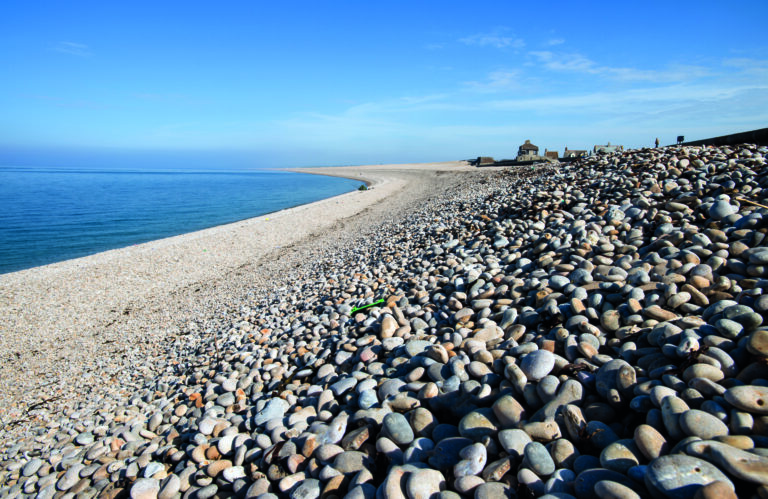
(300,83)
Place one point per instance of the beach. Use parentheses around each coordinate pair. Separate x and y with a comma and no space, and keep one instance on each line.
(589,329)
(67,327)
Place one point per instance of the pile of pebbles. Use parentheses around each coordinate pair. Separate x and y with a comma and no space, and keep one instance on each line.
(583,330)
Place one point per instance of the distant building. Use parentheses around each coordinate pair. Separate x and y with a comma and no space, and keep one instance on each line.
(574,153)
(608,148)
(551,154)
(528,152)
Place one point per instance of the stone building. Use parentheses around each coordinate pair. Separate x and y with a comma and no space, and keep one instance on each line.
(528,152)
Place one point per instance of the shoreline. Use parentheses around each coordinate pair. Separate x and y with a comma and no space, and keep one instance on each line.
(224,224)
(126,301)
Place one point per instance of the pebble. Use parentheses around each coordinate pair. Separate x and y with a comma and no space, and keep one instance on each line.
(702,424)
(537,458)
(396,428)
(425,483)
(607,489)
(145,488)
(681,476)
(738,463)
(749,398)
(307,489)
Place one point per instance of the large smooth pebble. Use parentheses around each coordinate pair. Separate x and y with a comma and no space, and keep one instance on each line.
(425,483)
(721,209)
(702,424)
(607,489)
(145,488)
(650,442)
(493,490)
(620,456)
(308,489)
(679,476)
(749,398)
(514,441)
(397,428)
(478,424)
(739,463)
(584,485)
(537,458)
(537,364)
(508,411)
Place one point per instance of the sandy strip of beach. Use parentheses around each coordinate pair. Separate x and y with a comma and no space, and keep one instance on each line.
(70,327)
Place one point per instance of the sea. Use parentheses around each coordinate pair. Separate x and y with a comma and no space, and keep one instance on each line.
(53,214)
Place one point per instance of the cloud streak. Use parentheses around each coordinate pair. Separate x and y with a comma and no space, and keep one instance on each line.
(577,63)
(493,39)
(496,81)
(72,48)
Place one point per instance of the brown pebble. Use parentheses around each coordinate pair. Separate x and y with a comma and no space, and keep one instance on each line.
(217,467)
(715,490)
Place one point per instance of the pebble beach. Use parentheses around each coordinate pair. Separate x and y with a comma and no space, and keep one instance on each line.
(591,329)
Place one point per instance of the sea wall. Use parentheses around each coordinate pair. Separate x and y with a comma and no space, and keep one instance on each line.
(759,137)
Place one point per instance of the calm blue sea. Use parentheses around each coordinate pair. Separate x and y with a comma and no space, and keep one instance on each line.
(53,214)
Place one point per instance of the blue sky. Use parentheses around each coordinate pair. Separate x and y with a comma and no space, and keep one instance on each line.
(252,83)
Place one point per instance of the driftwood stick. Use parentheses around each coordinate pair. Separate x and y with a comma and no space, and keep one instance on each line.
(744,200)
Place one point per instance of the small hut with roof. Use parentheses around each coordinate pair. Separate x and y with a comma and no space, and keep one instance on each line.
(528,152)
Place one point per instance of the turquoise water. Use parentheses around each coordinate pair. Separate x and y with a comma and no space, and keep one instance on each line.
(53,214)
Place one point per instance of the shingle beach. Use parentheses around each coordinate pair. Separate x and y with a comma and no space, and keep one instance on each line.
(592,329)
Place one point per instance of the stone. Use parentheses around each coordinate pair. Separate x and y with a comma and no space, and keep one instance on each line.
(537,364)
(620,456)
(508,411)
(388,326)
(607,489)
(352,462)
(584,485)
(702,424)
(145,488)
(650,442)
(537,458)
(492,490)
(514,441)
(680,476)
(749,398)
(32,466)
(397,429)
(715,490)
(721,209)
(473,459)
(447,452)
(738,463)
(169,487)
(307,489)
(478,424)
(70,478)
(275,408)
(425,484)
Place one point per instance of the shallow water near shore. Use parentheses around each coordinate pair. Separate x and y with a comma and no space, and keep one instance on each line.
(53,214)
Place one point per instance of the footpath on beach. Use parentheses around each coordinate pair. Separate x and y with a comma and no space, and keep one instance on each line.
(586,330)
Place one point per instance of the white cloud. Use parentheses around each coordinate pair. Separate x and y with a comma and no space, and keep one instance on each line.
(555,41)
(496,81)
(577,63)
(495,39)
(627,102)
(72,48)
